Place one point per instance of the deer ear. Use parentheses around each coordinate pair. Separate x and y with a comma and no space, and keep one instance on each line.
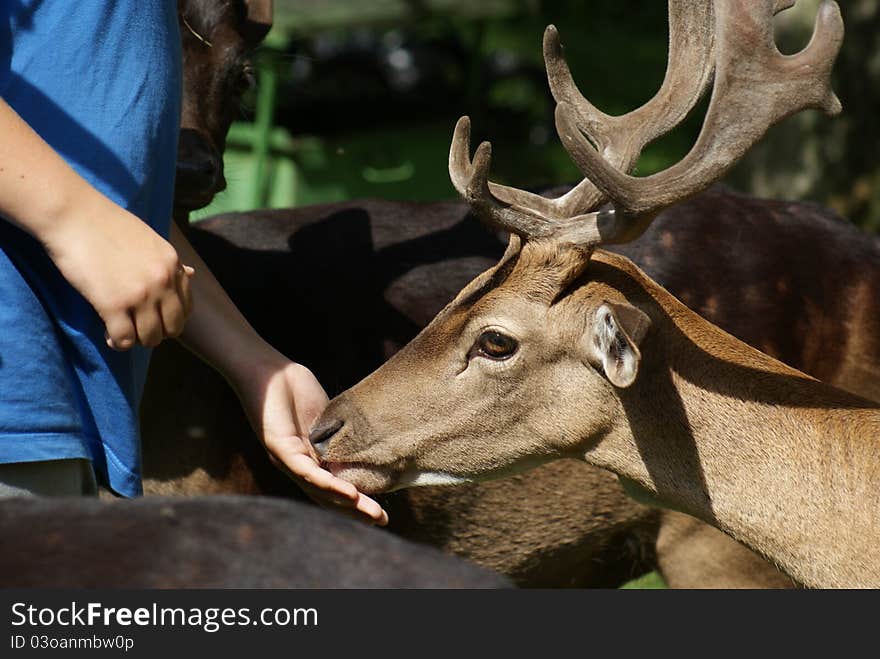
(613,341)
(258,20)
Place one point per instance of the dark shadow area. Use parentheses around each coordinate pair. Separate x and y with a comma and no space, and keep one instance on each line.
(213,542)
(329,301)
(677,441)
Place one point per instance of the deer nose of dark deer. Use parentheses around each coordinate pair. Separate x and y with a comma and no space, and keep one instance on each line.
(323,432)
(199,171)
(199,168)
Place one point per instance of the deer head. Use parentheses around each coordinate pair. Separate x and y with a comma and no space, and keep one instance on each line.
(217,38)
(549,353)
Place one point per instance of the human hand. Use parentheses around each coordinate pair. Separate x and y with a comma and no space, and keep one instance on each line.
(283,403)
(130,275)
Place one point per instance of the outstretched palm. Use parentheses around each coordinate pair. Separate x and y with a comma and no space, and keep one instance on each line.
(282,407)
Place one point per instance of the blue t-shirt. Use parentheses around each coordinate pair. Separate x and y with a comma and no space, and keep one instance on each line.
(100,81)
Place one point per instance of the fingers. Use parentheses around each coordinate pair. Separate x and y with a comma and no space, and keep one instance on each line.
(175,309)
(173,316)
(306,469)
(148,323)
(371,509)
(152,322)
(364,509)
(120,334)
(368,511)
(328,490)
(184,289)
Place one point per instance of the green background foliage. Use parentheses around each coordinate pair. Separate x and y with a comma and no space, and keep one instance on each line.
(617,53)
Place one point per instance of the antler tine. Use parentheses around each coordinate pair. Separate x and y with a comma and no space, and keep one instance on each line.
(522,213)
(471,180)
(755,87)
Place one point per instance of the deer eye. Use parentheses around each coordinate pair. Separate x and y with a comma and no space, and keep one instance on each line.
(495,345)
(247,78)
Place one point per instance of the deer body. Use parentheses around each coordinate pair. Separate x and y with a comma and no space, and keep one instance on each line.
(800,457)
(212,542)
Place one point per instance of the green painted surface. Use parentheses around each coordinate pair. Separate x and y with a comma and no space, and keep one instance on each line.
(650,581)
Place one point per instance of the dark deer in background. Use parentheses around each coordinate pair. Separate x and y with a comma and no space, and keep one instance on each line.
(212,542)
(217,38)
(728,256)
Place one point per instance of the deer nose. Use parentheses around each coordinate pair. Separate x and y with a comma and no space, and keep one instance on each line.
(202,165)
(199,170)
(323,432)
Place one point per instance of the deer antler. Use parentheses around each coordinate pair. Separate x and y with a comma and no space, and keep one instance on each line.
(691,42)
(737,38)
(755,87)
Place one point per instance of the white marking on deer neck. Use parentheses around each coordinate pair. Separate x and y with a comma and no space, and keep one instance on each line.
(425,478)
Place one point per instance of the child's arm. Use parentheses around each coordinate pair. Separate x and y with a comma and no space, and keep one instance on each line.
(128,273)
(282,398)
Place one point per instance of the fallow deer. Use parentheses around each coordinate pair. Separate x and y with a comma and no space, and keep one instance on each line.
(541,357)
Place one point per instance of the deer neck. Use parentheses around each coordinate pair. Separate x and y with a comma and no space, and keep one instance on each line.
(785,464)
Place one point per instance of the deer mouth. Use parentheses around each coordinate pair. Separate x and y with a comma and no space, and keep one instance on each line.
(195,192)
(373,479)
(369,479)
